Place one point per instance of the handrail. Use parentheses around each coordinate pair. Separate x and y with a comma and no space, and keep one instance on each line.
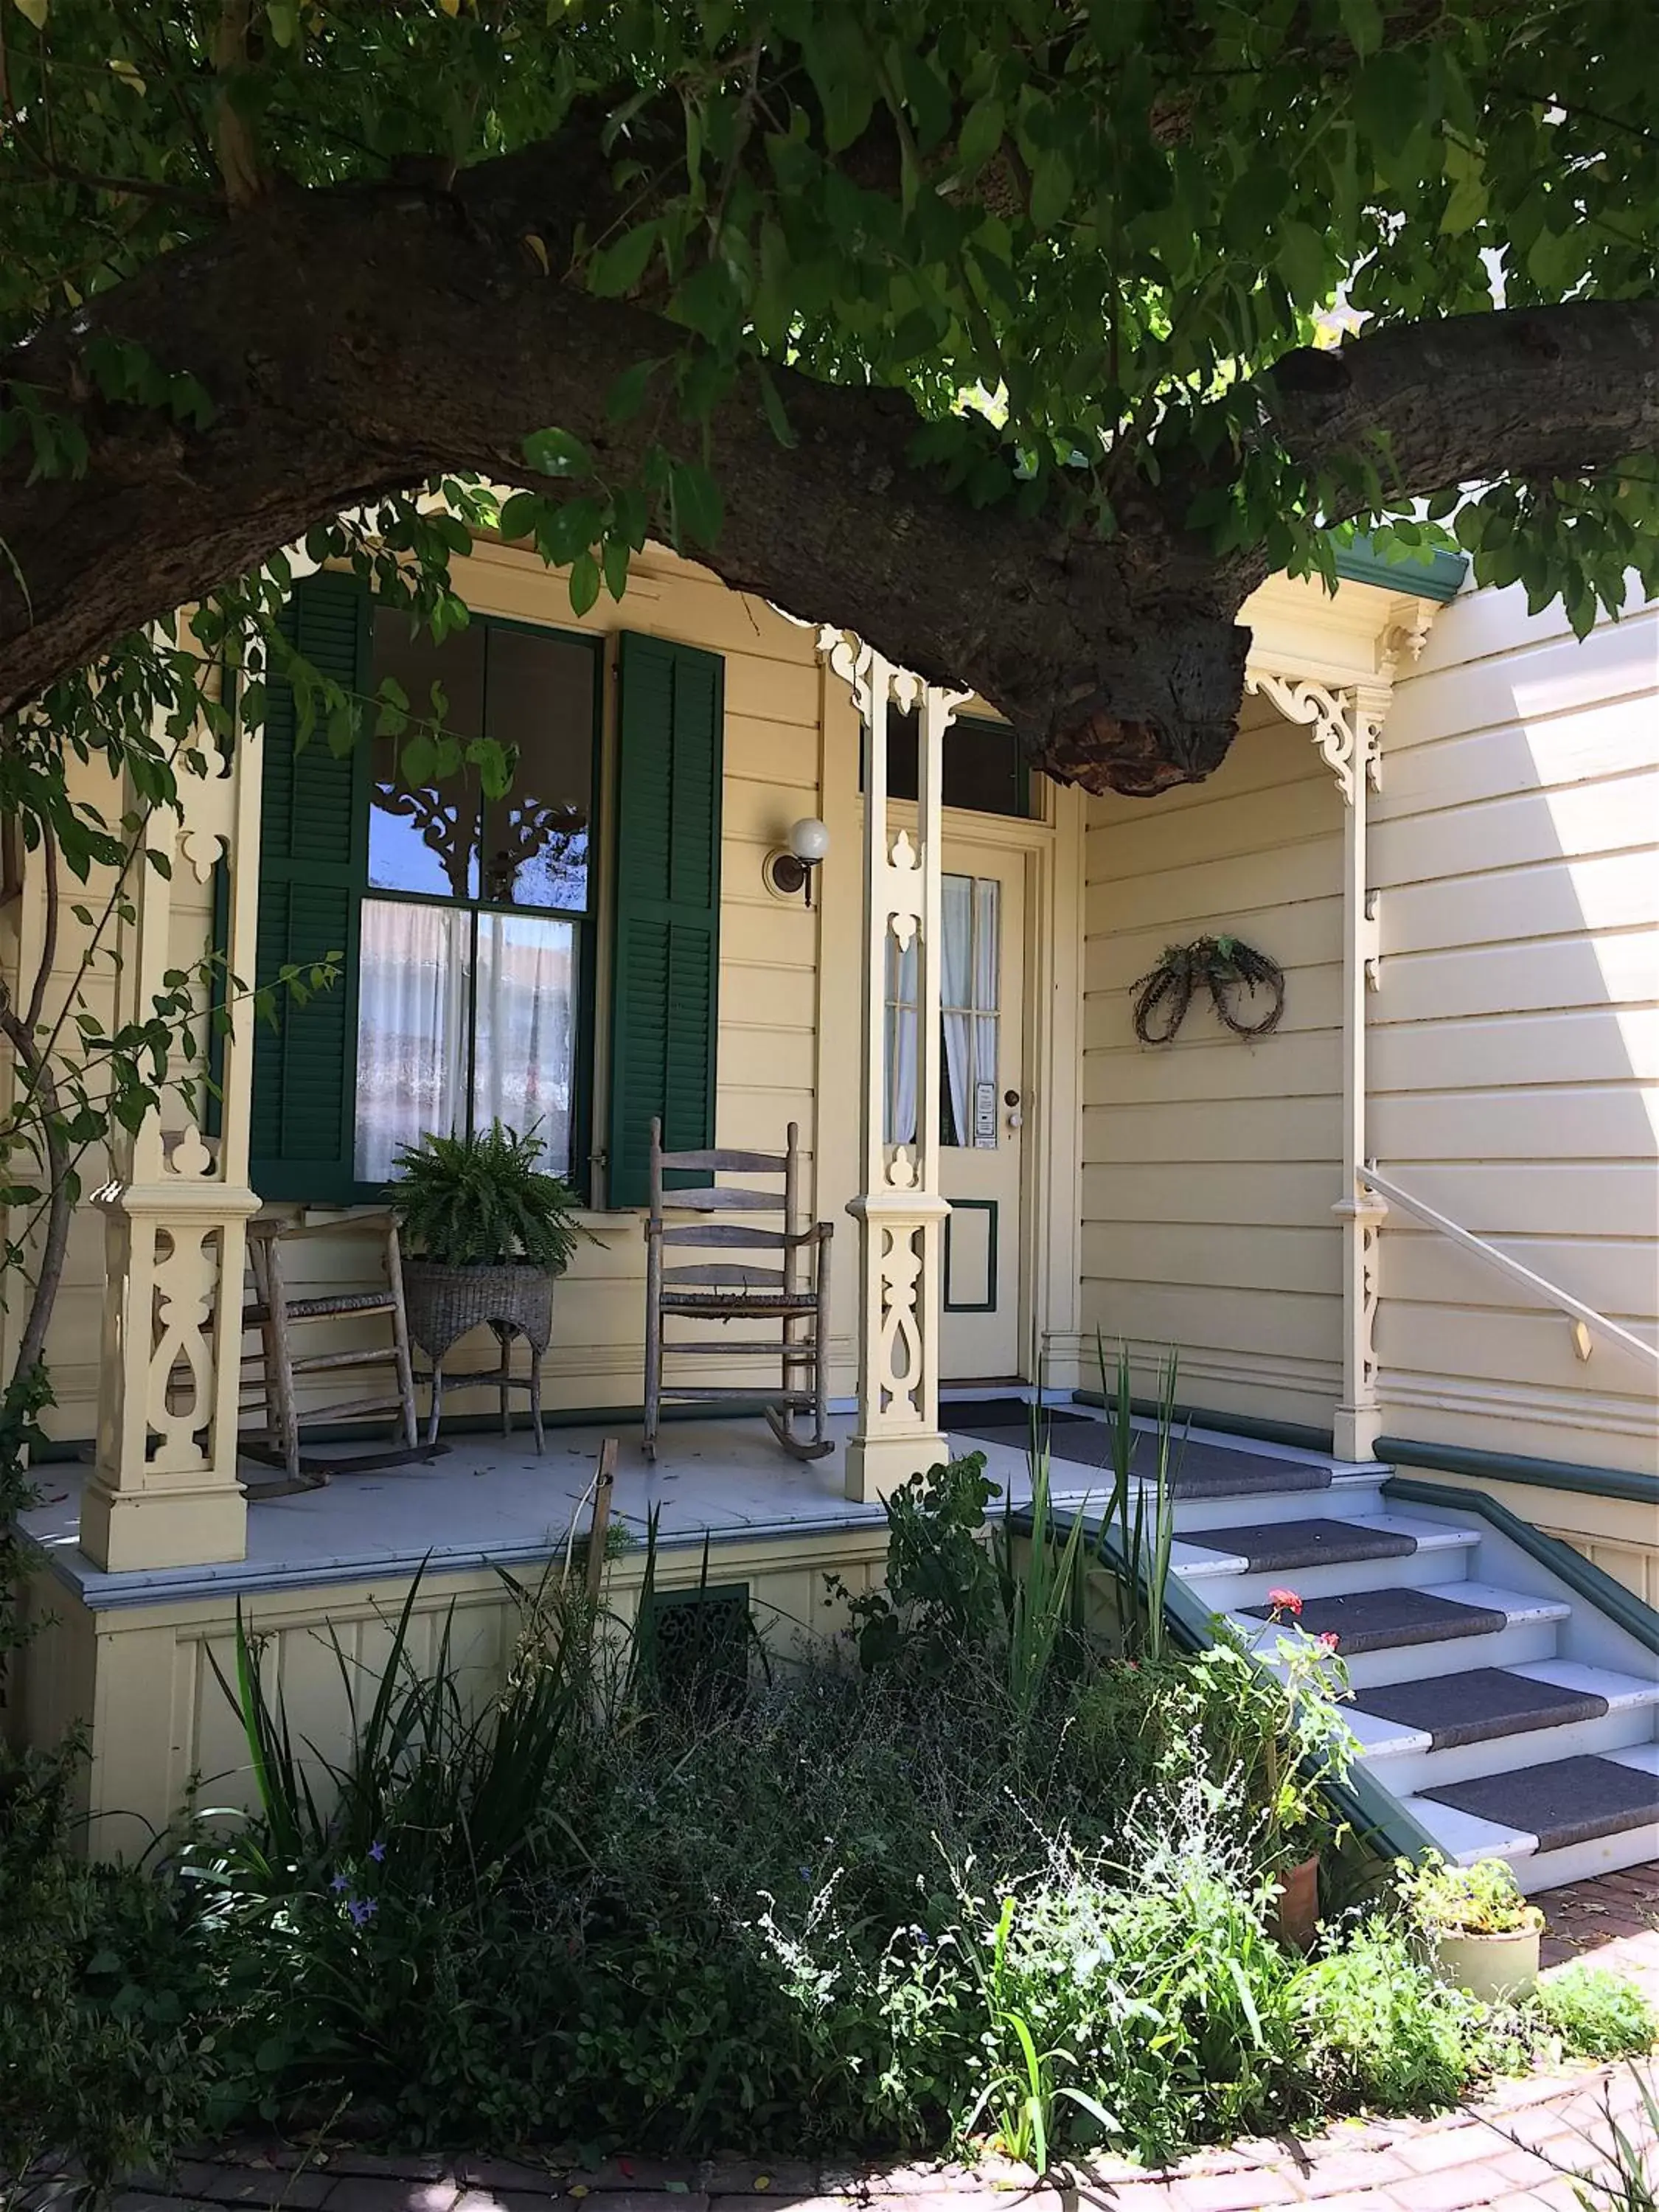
(1552,1293)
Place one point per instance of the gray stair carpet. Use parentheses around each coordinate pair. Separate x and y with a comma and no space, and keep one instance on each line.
(1196,1470)
(1475,1707)
(1276,1544)
(1571,1800)
(1387,1619)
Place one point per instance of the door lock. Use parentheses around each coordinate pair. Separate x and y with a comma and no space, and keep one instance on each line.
(1011,1100)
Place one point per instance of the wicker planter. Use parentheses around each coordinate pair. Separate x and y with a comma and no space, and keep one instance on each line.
(445,1304)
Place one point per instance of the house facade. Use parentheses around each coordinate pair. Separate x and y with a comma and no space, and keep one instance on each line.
(1416,1221)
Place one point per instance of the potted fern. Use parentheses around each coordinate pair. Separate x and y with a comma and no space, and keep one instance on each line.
(1482,1935)
(490,1232)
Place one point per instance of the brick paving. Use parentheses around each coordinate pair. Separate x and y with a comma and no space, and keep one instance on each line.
(1505,2153)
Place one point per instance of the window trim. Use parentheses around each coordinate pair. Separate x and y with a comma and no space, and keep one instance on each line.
(587,923)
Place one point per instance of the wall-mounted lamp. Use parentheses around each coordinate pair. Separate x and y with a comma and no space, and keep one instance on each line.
(790,871)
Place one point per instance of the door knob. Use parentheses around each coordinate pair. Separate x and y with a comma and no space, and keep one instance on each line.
(1011,1100)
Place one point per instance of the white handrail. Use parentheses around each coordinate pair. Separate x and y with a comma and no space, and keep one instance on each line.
(1562,1300)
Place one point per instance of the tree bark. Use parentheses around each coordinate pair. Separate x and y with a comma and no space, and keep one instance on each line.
(356,342)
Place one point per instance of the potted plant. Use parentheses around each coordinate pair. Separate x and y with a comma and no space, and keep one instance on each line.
(1482,1934)
(1287,1739)
(490,1232)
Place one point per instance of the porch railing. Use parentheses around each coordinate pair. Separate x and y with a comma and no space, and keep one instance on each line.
(1586,1321)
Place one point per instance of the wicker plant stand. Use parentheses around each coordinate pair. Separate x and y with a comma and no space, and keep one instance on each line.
(445,1304)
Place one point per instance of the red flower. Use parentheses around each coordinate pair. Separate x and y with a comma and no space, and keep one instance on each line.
(1330,1639)
(1285,1601)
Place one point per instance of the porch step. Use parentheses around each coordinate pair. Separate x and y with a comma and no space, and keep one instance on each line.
(1407,1635)
(1540,1812)
(1473,1725)
(1198,1468)
(1241,1567)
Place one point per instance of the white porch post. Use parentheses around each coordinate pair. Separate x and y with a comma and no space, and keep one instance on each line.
(164,1491)
(1344,725)
(899,1209)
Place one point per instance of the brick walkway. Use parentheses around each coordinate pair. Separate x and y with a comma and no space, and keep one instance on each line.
(1503,2154)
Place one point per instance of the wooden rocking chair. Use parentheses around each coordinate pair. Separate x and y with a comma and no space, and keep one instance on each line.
(274,1312)
(793,1293)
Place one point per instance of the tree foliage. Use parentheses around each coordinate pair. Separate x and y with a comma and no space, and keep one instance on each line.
(1055,279)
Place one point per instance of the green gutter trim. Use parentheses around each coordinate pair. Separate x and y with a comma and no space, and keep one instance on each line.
(1228,1425)
(1432,575)
(1505,1467)
(1587,1581)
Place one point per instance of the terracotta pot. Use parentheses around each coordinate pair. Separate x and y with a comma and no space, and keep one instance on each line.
(1295,1913)
(1496,1969)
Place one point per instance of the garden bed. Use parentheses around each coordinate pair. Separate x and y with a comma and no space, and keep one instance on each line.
(983,1883)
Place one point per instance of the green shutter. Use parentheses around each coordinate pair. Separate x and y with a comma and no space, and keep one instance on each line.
(313,824)
(665,965)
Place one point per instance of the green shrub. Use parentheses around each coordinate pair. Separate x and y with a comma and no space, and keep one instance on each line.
(1381,2029)
(104,2035)
(1596,2015)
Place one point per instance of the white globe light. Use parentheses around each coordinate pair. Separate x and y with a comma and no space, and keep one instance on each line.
(809,840)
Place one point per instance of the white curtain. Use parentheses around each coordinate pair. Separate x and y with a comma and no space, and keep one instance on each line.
(412,1029)
(901,1043)
(956,996)
(522,1054)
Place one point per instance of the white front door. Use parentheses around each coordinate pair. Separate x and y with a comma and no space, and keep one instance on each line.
(981,1103)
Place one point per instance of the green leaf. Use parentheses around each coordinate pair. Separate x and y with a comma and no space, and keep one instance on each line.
(33,11)
(584,583)
(982,134)
(619,268)
(707,301)
(1467,202)
(557,454)
(698,507)
(520,514)
(1051,188)
(614,555)
(1303,264)
(772,402)
(1363,21)
(627,394)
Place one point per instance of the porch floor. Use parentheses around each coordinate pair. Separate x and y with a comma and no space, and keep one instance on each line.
(490,1500)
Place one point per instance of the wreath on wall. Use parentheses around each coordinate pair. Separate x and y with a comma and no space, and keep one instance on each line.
(1232,972)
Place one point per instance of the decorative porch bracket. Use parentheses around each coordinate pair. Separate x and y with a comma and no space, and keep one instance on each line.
(898,1210)
(1346,725)
(164,1491)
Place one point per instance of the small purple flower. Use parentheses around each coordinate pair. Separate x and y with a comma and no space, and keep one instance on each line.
(361,1908)
(377,1852)
(338,1884)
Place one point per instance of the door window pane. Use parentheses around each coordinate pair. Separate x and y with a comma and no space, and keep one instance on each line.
(427,839)
(969,1017)
(984,770)
(524,1031)
(412,1008)
(541,703)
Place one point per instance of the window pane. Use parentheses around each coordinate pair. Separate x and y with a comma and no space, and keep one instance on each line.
(412,1029)
(525,1031)
(982,769)
(540,700)
(427,839)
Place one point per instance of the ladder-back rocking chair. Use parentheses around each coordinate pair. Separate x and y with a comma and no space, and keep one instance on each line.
(791,1288)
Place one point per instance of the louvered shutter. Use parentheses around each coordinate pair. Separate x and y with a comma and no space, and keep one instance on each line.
(313,825)
(665,964)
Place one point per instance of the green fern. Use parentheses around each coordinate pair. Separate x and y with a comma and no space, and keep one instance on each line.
(482,1201)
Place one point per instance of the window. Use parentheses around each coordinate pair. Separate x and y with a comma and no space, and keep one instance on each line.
(473,980)
(465,928)
(985,771)
(969,1020)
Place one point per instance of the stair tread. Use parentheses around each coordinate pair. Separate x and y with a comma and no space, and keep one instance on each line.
(1622,1691)
(1565,1801)
(1384,1620)
(1477,1704)
(1272,1546)
(1197,1467)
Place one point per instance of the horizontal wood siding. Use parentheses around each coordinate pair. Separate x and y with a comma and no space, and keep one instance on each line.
(1210,1165)
(1514,1042)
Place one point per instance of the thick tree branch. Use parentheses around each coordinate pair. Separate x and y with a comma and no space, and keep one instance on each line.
(359,341)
